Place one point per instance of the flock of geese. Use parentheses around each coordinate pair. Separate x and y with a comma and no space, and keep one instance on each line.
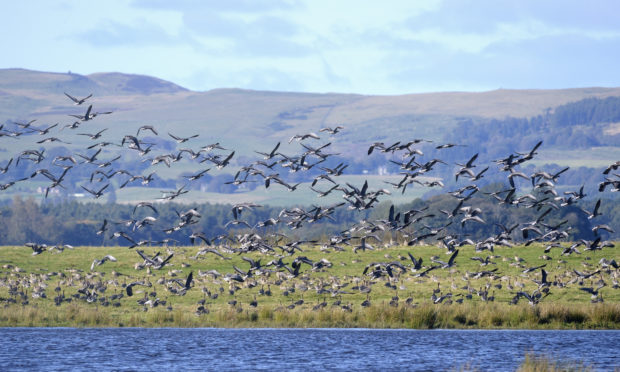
(288,268)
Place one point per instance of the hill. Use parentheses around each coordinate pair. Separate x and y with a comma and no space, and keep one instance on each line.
(137,100)
(579,127)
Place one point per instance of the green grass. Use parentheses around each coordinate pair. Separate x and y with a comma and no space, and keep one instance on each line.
(543,363)
(566,307)
(575,158)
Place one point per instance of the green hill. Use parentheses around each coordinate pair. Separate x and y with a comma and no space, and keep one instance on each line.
(244,118)
(492,123)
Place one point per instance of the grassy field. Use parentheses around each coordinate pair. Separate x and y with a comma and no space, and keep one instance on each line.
(592,157)
(327,297)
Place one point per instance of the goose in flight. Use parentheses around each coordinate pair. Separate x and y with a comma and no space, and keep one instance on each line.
(98,193)
(147,127)
(97,262)
(130,286)
(93,136)
(145,204)
(237,209)
(88,115)
(447,146)
(78,101)
(613,166)
(450,263)
(267,156)
(25,125)
(417,264)
(221,164)
(173,194)
(103,228)
(44,131)
(182,139)
(36,248)
(6,167)
(52,139)
(155,262)
(595,212)
(331,130)
(300,137)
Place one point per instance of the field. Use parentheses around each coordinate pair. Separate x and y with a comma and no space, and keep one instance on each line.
(331,296)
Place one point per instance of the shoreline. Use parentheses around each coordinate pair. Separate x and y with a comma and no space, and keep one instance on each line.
(423,317)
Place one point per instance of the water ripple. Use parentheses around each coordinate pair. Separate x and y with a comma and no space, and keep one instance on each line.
(62,349)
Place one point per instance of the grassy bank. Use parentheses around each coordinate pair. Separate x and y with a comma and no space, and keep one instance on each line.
(425,316)
(337,295)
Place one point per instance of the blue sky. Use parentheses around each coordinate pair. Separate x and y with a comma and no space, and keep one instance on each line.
(346,46)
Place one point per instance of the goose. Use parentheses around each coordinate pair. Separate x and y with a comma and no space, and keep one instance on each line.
(37,248)
(147,127)
(550,177)
(595,212)
(6,167)
(450,263)
(613,166)
(592,291)
(103,228)
(44,131)
(211,250)
(198,175)
(155,262)
(97,194)
(129,287)
(90,116)
(223,163)
(105,258)
(52,139)
(300,137)
(447,146)
(90,159)
(332,131)
(182,139)
(78,101)
(267,156)
(144,204)
(93,136)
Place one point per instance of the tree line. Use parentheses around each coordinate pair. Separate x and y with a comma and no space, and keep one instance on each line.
(77,223)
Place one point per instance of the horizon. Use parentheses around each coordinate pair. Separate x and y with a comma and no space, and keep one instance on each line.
(301,46)
(300,92)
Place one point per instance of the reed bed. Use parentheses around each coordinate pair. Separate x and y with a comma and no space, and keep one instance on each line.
(423,316)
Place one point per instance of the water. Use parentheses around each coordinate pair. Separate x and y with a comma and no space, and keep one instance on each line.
(63,349)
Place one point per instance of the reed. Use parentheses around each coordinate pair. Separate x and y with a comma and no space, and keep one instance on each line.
(542,363)
(422,316)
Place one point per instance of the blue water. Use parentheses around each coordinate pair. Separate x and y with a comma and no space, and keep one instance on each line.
(64,349)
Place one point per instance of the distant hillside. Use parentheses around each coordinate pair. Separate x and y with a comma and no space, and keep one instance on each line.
(579,127)
(244,119)
(236,116)
(45,83)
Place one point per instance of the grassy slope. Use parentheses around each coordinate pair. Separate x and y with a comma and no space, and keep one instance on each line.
(242,118)
(253,120)
(566,307)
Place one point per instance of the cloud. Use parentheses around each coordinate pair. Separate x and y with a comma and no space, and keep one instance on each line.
(265,35)
(484,16)
(111,33)
(234,6)
(548,62)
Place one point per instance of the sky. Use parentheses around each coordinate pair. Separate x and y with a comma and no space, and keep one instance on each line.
(372,47)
